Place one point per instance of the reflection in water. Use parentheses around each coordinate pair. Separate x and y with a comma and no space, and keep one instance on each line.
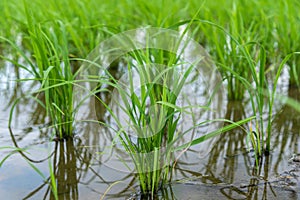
(18,95)
(229,162)
(72,161)
(226,173)
(70,165)
(286,129)
(116,71)
(65,170)
(231,144)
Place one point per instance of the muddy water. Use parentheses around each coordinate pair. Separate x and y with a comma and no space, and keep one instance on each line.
(227,171)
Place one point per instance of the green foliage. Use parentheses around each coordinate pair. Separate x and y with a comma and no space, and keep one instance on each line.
(151,132)
(246,39)
(51,56)
(50,66)
(275,25)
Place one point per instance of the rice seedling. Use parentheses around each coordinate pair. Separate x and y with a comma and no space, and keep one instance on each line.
(247,39)
(87,26)
(55,73)
(51,67)
(233,39)
(226,51)
(287,37)
(262,142)
(261,93)
(83,23)
(270,24)
(257,86)
(147,96)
